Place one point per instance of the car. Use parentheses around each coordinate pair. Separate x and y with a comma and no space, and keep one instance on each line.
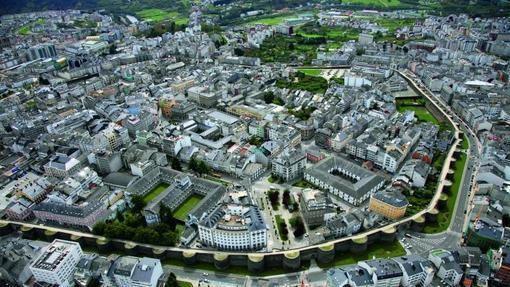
(205,274)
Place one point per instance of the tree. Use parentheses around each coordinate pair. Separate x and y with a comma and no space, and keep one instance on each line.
(202,167)
(137,202)
(193,164)
(172,281)
(273,197)
(99,228)
(238,52)
(176,164)
(166,216)
(506,220)
(112,49)
(268,97)
(286,198)
(405,49)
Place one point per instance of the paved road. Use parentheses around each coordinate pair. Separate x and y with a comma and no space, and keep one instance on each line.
(451,238)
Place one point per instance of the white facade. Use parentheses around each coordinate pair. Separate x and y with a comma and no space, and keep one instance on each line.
(56,265)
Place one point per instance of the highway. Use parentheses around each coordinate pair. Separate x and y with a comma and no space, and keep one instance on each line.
(451,238)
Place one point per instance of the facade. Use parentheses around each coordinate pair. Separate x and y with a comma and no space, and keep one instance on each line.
(417,271)
(289,165)
(233,227)
(385,272)
(448,268)
(344,179)
(314,206)
(503,273)
(391,205)
(56,264)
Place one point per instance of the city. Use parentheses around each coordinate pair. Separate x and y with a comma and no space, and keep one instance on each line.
(255,143)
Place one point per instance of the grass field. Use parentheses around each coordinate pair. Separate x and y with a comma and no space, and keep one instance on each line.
(158,15)
(182,211)
(420,112)
(271,20)
(311,72)
(376,250)
(279,219)
(375,3)
(155,192)
(184,284)
(444,218)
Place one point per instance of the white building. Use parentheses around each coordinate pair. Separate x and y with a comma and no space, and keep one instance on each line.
(233,227)
(56,265)
(129,271)
(289,165)
(448,269)
(417,271)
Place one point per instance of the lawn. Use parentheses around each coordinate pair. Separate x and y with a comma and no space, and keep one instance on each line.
(376,250)
(444,218)
(278,220)
(271,20)
(465,143)
(311,72)
(393,24)
(375,3)
(184,284)
(420,112)
(303,184)
(24,30)
(155,192)
(158,15)
(182,211)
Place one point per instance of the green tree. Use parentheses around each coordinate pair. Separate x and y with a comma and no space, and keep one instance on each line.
(269,97)
(193,164)
(176,164)
(99,228)
(137,202)
(172,281)
(166,216)
(202,167)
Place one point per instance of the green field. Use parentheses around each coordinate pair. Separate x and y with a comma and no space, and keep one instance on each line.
(420,112)
(279,219)
(271,20)
(444,218)
(311,72)
(24,30)
(182,211)
(375,3)
(376,250)
(158,15)
(155,192)
(184,284)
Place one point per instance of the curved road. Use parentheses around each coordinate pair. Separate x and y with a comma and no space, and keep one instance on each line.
(451,238)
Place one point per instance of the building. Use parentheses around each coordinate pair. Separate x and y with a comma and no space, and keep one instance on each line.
(62,166)
(417,271)
(233,227)
(385,272)
(129,271)
(289,165)
(344,179)
(503,267)
(447,266)
(391,205)
(314,206)
(91,268)
(56,264)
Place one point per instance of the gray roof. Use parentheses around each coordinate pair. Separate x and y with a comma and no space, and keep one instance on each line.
(355,188)
(144,270)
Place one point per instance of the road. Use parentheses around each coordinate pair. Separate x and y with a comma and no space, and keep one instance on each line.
(451,238)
